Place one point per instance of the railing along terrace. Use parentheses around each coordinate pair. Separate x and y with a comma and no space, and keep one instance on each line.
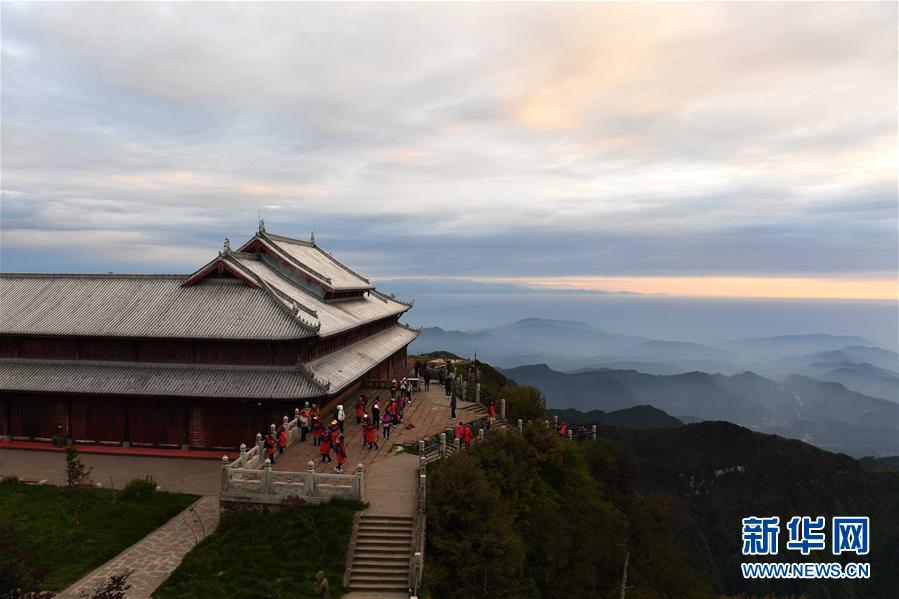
(250,479)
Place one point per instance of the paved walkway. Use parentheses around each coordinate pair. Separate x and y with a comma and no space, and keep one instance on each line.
(390,485)
(200,477)
(429,414)
(156,556)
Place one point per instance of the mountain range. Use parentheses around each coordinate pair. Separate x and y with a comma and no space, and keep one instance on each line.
(824,414)
(570,346)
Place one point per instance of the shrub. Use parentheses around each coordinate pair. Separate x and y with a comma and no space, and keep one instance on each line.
(138,489)
(76,471)
(12,479)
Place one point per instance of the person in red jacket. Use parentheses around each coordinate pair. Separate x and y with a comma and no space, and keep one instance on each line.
(269,445)
(360,408)
(467,435)
(317,430)
(325,448)
(492,411)
(457,434)
(282,439)
(370,433)
(340,452)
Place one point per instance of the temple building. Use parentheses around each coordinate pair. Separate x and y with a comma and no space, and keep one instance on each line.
(205,360)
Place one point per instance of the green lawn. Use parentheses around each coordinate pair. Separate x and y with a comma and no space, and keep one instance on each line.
(69,532)
(256,554)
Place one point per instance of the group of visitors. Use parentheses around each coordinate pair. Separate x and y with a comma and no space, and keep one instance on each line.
(274,442)
(464,433)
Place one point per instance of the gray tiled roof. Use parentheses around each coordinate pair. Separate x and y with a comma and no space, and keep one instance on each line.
(141,306)
(317,261)
(181,380)
(346,365)
(333,317)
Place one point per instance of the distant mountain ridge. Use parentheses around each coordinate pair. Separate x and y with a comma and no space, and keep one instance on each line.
(824,414)
(567,345)
(635,417)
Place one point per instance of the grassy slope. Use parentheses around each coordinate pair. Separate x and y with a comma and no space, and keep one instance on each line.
(71,532)
(267,554)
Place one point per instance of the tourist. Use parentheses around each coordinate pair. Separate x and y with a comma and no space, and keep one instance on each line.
(376,413)
(457,434)
(317,430)
(401,405)
(315,411)
(386,421)
(452,407)
(269,445)
(394,412)
(467,435)
(563,429)
(304,422)
(341,416)
(393,389)
(427,379)
(340,452)
(492,411)
(282,439)
(441,378)
(360,408)
(370,434)
(325,448)
(320,586)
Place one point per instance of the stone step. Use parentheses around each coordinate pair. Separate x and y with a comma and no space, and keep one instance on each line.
(408,520)
(386,522)
(394,545)
(398,563)
(379,574)
(376,587)
(365,533)
(400,580)
(365,526)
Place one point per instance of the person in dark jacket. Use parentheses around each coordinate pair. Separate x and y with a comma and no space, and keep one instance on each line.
(453,407)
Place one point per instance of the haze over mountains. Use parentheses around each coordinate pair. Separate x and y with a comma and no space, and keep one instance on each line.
(838,392)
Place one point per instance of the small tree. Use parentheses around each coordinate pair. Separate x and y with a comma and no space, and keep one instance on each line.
(113,587)
(76,471)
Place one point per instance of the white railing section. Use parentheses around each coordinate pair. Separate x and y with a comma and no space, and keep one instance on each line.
(250,478)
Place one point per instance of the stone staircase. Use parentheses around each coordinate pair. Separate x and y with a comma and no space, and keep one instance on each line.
(381,553)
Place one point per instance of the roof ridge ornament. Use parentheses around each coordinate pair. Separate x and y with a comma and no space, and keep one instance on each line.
(261,226)
(308,373)
(312,238)
(226,248)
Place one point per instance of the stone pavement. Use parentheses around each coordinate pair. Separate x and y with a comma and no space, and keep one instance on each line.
(429,414)
(200,477)
(390,485)
(156,556)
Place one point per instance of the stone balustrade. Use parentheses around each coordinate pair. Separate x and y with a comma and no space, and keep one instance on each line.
(250,479)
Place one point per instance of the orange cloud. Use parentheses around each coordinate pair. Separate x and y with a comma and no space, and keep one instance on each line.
(743,287)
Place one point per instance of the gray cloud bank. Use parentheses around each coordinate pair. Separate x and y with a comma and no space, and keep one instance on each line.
(473,140)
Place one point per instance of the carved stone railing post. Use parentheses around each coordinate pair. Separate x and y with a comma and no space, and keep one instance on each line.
(477,392)
(570,434)
(555,420)
(594,432)
(267,477)
(421,447)
(260,450)
(442,446)
(458,443)
(502,408)
(480,434)
(243,456)
(520,426)
(225,473)
(359,482)
(309,485)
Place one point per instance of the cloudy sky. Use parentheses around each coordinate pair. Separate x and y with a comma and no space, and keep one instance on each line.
(709,149)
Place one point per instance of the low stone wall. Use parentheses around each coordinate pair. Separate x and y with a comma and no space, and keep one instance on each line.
(250,479)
